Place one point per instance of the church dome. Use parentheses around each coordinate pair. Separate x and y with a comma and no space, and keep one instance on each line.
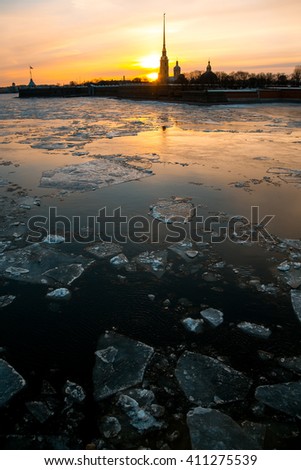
(209,77)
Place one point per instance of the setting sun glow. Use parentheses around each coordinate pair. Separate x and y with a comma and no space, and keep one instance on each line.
(152,76)
(88,39)
(150,62)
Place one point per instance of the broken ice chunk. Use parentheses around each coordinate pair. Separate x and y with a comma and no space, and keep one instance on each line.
(74,393)
(207,381)
(193,325)
(191,253)
(212,429)
(59,294)
(107,355)
(252,329)
(119,260)
(285,397)
(291,363)
(54,239)
(175,209)
(296,302)
(293,278)
(104,250)
(6,300)
(39,410)
(213,316)
(39,264)
(106,171)
(284,266)
(136,404)
(153,261)
(128,368)
(10,382)
(64,274)
(110,426)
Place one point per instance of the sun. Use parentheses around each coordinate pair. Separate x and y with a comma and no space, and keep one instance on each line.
(149,66)
(150,62)
(152,76)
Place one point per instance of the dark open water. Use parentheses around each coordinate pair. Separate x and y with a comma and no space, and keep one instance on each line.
(202,152)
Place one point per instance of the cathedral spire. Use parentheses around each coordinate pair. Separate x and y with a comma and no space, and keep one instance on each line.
(163,73)
(164,42)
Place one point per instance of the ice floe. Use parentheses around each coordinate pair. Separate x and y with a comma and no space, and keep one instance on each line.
(175,209)
(291,363)
(119,261)
(110,426)
(288,175)
(252,329)
(11,382)
(212,429)
(102,250)
(137,405)
(94,174)
(285,397)
(40,264)
(74,393)
(6,300)
(152,261)
(213,316)
(125,368)
(193,325)
(39,410)
(53,239)
(296,302)
(207,381)
(59,294)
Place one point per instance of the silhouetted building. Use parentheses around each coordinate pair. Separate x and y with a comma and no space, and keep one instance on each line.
(164,72)
(209,77)
(176,71)
(31,84)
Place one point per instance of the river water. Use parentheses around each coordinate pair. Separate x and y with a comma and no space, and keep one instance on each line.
(223,159)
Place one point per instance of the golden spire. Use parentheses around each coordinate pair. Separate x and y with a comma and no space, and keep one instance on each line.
(164,43)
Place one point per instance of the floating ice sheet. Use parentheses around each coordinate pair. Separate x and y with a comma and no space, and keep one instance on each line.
(285,397)
(6,300)
(213,316)
(94,174)
(153,261)
(288,175)
(211,429)
(197,376)
(39,264)
(125,368)
(175,209)
(59,294)
(102,250)
(137,405)
(296,302)
(252,329)
(11,382)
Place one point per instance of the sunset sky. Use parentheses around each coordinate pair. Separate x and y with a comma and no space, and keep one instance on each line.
(80,40)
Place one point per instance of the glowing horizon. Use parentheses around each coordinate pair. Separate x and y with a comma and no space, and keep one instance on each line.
(86,39)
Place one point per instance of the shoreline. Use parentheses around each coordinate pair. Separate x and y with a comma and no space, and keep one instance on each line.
(170,93)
